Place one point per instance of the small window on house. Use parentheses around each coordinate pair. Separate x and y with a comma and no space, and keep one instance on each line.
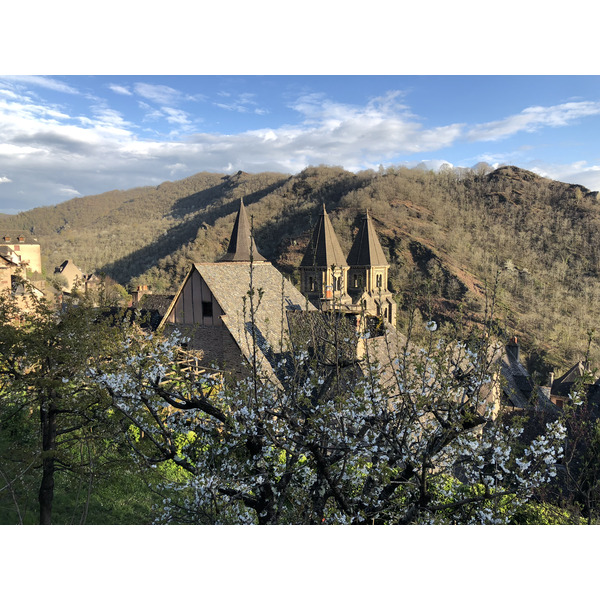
(207,309)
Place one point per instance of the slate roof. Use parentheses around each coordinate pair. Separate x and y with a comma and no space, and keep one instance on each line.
(366,249)
(13,234)
(519,389)
(241,245)
(324,249)
(153,307)
(274,297)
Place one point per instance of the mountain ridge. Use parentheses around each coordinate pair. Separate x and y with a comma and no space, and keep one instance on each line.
(446,234)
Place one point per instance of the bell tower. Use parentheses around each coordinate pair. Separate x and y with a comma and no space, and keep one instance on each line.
(368,274)
(324,270)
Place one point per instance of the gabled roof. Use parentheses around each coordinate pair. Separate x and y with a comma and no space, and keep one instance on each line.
(366,250)
(324,249)
(9,255)
(275,296)
(241,244)
(575,373)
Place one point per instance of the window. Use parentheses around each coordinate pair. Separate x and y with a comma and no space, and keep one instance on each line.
(311,284)
(379,280)
(207,309)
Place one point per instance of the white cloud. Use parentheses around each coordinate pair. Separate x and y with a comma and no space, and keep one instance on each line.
(174,115)
(119,89)
(43,82)
(100,151)
(579,172)
(243,103)
(51,154)
(69,192)
(161,94)
(532,119)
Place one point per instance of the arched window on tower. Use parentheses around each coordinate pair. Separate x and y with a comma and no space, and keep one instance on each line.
(379,281)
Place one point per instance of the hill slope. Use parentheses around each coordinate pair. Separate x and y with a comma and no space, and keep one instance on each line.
(445,234)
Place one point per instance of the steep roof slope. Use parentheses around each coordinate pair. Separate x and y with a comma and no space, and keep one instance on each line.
(324,249)
(242,247)
(274,296)
(366,249)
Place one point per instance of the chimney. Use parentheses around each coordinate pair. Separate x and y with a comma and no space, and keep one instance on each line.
(513,347)
(551,378)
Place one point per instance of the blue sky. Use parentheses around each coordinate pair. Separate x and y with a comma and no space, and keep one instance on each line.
(68,136)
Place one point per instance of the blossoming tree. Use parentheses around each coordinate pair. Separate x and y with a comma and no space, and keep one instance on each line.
(331,443)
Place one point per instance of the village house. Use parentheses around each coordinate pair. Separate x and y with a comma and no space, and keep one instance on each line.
(26,247)
(19,259)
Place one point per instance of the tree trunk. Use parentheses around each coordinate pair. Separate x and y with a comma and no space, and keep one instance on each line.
(46,495)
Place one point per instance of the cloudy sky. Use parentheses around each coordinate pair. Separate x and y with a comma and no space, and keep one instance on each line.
(68,136)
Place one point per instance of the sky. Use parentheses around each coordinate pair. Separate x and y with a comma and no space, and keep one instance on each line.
(67,136)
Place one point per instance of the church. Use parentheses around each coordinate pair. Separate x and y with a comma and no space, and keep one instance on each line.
(356,284)
(241,306)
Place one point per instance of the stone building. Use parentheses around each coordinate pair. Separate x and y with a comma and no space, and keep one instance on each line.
(26,247)
(74,276)
(215,307)
(17,261)
(10,267)
(236,308)
(357,284)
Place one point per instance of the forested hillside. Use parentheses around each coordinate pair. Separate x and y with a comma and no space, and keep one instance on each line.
(447,235)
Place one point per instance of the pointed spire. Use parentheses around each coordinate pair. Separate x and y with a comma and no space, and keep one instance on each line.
(366,250)
(324,249)
(241,244)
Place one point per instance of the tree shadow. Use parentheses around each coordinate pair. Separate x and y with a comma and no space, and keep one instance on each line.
(200,210)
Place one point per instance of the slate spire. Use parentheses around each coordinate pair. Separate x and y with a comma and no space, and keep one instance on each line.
(324,249)
(366,250)
(241,244)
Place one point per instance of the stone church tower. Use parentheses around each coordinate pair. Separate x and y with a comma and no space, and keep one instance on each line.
(324,270)
(368,274)
(357,285)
